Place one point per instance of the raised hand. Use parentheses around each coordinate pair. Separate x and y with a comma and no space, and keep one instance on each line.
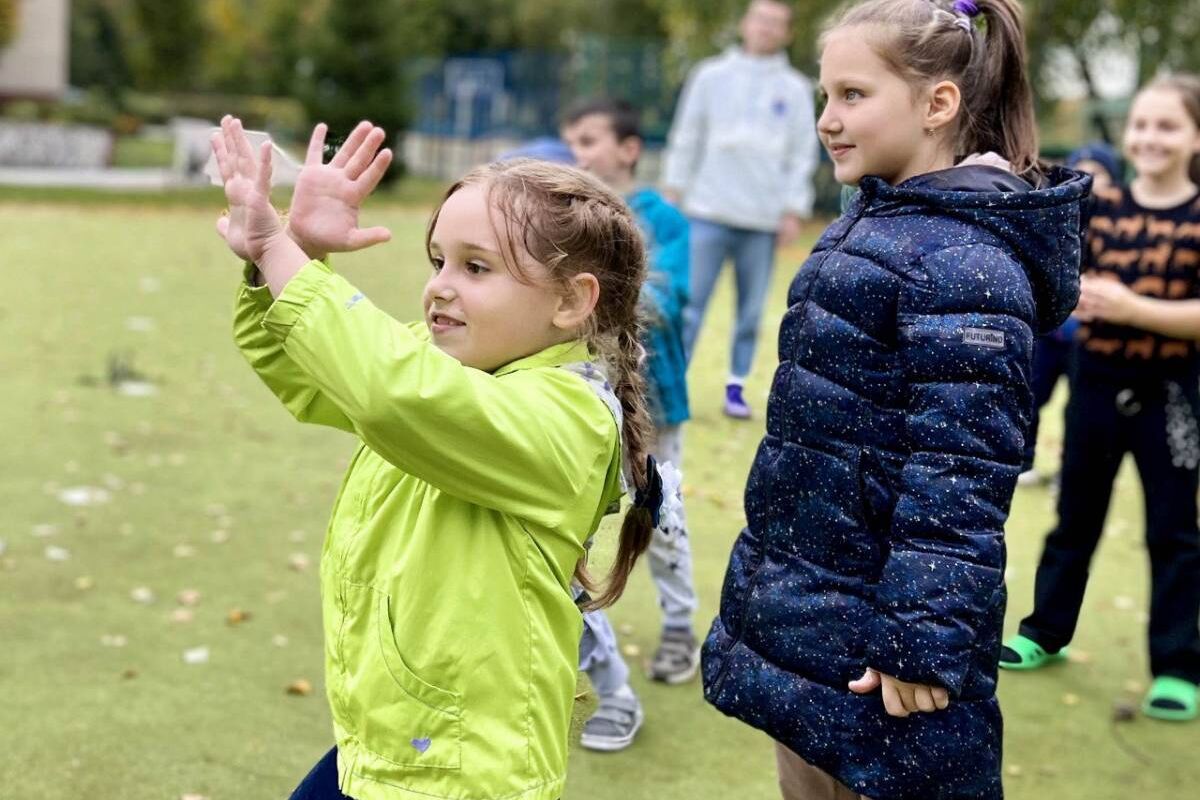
(901,698)
(324,214)
(252,222)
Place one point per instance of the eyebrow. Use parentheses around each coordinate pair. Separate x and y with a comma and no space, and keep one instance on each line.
(433,245)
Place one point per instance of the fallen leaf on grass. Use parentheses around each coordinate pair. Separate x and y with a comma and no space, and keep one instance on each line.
(631,650)
(220,536)
(196,655)
(84,582)
(236,616)
(84,496)
(44,530)
(183,550)
(182,615)
(142,594)
(188,597)
(300,688)
(299,562)
(56,553)
(1124,711)
(1070,699)
(625,629)
(279,640)
(129,674)
(1078,656)
(114,640)
(1013,770)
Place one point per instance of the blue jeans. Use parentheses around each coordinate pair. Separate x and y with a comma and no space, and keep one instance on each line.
(753,254)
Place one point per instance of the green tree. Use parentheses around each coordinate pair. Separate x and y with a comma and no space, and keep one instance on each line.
(171,35)
(8,21)
(353,70)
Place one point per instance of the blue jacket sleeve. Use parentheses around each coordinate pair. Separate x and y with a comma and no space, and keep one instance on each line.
(965,342)
(668,283)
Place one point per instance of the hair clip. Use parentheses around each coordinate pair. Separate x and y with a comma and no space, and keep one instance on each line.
(966,8)
(651,498)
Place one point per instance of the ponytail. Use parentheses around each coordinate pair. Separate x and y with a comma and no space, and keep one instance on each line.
(638,525)
(996,91)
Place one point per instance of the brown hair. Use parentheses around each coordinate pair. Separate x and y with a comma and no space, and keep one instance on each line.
(1187,86)
(924,41)
(570,223)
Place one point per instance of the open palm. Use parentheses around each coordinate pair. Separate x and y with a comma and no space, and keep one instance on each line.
(325,205)
(252,220)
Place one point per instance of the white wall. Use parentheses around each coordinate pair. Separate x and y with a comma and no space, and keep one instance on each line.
(34,64)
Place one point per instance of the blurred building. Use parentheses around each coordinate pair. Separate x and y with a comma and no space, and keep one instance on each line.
(34,63)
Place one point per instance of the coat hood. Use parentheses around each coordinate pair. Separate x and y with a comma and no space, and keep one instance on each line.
(1044,225)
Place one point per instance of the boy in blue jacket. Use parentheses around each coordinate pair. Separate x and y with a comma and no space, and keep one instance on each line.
(605,139)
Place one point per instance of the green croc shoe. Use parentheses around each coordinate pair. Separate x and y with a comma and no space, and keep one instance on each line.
(1021,652)
(1171,699)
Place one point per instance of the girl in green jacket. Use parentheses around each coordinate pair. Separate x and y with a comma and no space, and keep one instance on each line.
(492,442)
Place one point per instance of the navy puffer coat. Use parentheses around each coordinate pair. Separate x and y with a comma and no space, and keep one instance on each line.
(876,504)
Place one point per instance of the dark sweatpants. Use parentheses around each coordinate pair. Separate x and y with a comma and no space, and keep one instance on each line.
(1051,359)
(1157,423)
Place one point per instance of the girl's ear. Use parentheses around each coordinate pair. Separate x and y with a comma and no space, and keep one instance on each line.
(945,99)
(577,301)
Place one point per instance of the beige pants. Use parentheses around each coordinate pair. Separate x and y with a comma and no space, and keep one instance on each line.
(799,780)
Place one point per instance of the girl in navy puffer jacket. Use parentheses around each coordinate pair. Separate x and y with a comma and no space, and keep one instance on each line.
(861,615)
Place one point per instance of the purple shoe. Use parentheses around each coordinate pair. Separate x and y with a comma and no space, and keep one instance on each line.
(735,405)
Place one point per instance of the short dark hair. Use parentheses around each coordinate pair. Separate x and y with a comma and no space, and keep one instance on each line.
(621,115)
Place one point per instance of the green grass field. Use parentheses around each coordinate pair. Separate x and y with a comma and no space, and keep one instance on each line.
(211,487)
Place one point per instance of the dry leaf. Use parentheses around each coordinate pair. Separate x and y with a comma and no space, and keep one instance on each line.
(631,650)
(1013,770)
(56,553)
(220,536)
(1078,656)
(1070,699)
(142,594)
(84,582)
(1124,711)
(44,529)
(625,629)
(196,655)
(188,597)
(183,550)
(300,687)
(84,496)
(299,562)
(129,674)
(114,640)
(237,616)
(182,615)
(279,640)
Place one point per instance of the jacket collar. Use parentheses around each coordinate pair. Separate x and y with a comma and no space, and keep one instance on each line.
(553,356)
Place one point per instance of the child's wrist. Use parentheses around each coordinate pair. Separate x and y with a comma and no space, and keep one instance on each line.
(309,250)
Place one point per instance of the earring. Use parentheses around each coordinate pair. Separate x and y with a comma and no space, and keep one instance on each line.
(931,131)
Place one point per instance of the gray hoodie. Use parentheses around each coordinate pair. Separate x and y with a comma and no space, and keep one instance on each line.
(743,145)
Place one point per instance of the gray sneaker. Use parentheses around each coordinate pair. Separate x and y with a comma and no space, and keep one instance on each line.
(614,724)
(677,658)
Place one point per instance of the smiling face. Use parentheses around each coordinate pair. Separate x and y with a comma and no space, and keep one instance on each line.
(873,122)
(1161,138)
(477,310)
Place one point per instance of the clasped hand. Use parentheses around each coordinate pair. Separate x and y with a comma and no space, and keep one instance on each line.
(901,698)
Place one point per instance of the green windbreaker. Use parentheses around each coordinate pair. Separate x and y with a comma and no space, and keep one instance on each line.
(451,637)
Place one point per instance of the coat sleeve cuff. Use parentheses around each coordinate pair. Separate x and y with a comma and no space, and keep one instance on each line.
(289,307)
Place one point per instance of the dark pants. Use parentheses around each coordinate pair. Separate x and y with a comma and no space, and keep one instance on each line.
(1157,424)
(321,783)
(1051,358)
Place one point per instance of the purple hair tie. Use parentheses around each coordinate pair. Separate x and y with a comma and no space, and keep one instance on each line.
(966,7)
